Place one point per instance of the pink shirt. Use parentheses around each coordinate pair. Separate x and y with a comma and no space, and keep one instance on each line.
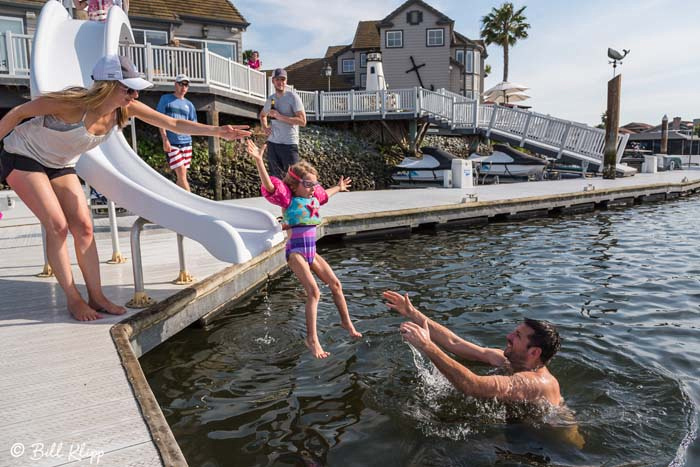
(254,64)
(97,9)
(282,196)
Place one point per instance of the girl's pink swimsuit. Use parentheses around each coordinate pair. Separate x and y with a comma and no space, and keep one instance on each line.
(302,216)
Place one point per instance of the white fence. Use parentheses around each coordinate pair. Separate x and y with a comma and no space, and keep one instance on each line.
(158,63)
(15,52)
(164,63)
(459,112)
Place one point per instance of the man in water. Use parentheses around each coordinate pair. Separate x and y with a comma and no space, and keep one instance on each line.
(529,348)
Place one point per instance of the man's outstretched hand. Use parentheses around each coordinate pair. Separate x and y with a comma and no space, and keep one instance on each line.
(400,303)
(417,336)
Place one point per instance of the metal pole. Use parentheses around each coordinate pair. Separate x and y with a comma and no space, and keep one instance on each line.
(133,135)
(184,277)
(47,271)
(117,257)
(140,300)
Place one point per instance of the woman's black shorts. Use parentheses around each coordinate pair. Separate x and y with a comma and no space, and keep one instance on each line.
(10,162)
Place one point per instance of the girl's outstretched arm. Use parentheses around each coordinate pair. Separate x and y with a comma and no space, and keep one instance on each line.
(257,155)
(343,185)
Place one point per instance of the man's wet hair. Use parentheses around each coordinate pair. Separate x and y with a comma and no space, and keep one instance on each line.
(544,336)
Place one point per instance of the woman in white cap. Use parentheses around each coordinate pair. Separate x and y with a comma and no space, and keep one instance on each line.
(39,157)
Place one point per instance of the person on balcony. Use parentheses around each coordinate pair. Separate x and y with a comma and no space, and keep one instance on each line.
(39,157)
(178,147)
(286,110)
(97,9)
(254,60)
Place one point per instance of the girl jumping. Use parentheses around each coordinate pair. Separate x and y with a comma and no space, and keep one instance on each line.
(300,196)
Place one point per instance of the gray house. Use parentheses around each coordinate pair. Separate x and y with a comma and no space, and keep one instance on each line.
(419,46)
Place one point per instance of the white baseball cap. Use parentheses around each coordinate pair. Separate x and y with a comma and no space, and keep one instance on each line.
(182,77)
(119,68)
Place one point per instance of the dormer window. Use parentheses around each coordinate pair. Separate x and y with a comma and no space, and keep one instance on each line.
(349,65)
(435,37)
(414,17)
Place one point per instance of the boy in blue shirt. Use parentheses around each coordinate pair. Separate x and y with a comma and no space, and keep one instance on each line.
(178,148)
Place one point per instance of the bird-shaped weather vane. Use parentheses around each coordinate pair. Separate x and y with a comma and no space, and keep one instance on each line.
(616,57)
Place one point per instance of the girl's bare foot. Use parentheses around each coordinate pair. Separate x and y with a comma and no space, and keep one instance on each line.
(316,349)
(351,330)
(105,306)
(81,311)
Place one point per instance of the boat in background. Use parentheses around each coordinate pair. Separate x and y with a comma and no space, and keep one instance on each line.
(427,169)
(507,162)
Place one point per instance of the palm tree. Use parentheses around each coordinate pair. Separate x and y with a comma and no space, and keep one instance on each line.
(504,26)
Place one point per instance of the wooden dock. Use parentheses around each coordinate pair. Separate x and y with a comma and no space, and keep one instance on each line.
(75,392)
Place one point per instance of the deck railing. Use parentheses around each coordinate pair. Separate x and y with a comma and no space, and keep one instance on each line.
(158,63)
(164,63)
(15,53)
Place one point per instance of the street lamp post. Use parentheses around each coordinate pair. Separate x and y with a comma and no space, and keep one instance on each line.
(327,71)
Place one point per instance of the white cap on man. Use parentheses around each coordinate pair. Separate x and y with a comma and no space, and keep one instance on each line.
(182,77)
(119,68)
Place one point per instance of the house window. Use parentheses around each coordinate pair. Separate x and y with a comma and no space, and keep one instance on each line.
(459,56)
(477,62)
(469,95)
(414,17)
(146,36)
(348,65)
(435,37)
(394,39)
(363,60)
(470,61)
(224,49)
(363,80)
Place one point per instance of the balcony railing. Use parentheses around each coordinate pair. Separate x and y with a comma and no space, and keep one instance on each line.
(160,64)
(15,52)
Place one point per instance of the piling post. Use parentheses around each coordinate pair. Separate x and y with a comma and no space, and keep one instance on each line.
(612,123)
(215,154)
(664,135)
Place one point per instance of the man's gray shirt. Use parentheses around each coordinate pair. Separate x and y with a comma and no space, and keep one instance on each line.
(288,105)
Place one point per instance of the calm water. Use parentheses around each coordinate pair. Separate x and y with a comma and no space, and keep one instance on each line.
(623,286)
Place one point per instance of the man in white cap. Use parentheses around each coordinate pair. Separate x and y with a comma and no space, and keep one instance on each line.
(287,113)
(178,148)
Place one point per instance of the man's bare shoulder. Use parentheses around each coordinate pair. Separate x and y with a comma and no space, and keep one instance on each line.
(536,386)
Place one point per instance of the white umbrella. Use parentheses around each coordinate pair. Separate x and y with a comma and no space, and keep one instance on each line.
(500,99)
(506,86)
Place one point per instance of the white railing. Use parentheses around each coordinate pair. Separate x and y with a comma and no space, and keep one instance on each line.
(310,101)
(364,103)
(15,54)
(436,104)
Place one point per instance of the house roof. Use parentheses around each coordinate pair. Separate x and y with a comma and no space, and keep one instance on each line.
(442,18)
(218,11)
(461,39)
(335,49)
(306,75)
(367,35)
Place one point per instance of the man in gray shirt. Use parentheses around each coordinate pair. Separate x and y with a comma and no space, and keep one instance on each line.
(281,117)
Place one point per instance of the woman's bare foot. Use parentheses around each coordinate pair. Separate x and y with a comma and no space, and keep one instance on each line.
(316,349)
(81,311)
(105,306)
(351,330)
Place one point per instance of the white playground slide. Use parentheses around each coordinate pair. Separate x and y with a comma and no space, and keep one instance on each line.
(63,55)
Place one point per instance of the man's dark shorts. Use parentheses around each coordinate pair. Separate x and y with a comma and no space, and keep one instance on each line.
(280,157)
(10,162)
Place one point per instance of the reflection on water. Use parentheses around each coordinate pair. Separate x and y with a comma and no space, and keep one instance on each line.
(622,286)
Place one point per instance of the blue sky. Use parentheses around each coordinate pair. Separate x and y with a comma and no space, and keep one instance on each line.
(563,61)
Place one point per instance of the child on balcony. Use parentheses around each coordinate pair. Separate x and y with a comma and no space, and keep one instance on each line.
(97,9)
(300,196)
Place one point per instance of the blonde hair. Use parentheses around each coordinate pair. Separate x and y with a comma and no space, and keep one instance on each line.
(90,98)
(300,169)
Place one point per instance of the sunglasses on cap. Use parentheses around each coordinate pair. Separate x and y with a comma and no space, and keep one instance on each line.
(129,91)
(183,83)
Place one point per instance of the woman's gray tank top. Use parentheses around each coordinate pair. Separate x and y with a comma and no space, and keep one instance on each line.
(52,142)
